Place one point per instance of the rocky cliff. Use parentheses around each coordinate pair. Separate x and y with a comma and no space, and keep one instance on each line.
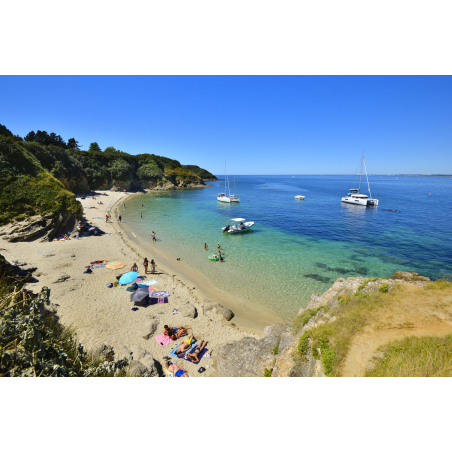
(290,350)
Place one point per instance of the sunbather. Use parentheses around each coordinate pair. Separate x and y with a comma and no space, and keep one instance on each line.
(194,356)
(185,345)
(175,369)
(174,332)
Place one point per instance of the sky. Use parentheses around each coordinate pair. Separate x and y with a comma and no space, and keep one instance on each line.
(260,124)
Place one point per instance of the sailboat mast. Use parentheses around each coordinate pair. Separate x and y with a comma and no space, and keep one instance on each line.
(361,172)
(227,179)
(368,185)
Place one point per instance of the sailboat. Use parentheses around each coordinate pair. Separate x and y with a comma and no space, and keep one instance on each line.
(222,196)
(355,196)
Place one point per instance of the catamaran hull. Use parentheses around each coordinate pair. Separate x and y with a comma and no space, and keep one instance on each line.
(360,202)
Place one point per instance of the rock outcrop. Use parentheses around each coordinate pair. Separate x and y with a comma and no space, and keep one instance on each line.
(276,355)
(214,309)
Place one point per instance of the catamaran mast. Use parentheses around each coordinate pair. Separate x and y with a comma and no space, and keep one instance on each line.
(227,179)
(368,185)
(361,172)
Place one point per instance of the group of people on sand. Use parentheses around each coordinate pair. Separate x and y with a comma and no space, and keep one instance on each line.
(146,263)
(174,333)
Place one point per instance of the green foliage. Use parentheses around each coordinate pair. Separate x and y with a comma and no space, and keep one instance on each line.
(384,288)
(305,316)
(72,144)
(26,188)
(202,173)
(181,175)
(120,170)
(94,148)
(415,357)
(4,131)
(268,372)
(303,344)
(439,284)
(275,349)
(33,343)
(149,171)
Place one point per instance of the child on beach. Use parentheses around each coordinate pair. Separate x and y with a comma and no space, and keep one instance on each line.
(153,236)
(145,264)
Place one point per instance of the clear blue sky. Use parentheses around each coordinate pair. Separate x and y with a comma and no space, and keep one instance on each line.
(262,124)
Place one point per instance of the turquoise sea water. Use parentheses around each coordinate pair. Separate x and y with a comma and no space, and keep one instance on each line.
(297,248)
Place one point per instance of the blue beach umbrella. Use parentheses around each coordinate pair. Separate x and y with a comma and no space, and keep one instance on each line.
(160,294)
(128,278)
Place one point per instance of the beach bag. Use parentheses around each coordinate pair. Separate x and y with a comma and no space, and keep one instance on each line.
(132,288)
(109,285)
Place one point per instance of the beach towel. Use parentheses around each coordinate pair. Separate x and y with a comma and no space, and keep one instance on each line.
(163,340)
(199,357)
(45,251)
(99,265)
(148,283)
(173,352)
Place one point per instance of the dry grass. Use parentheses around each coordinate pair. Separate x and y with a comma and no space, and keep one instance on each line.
(415,357)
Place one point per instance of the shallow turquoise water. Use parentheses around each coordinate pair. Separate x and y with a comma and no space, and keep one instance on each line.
(297,248)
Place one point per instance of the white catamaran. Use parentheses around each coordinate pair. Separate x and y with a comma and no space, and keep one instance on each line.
(222,196)
(355,196)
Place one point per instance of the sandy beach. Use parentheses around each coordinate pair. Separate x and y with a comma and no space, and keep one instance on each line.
(101,315)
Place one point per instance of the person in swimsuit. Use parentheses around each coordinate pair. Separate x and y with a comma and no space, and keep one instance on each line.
(153,236)
(175,369)
(205,246)
(194,356)
(152,266)
(218,246)
(174,332)
(134,268)
(220,258)
(145,264)
(185,345)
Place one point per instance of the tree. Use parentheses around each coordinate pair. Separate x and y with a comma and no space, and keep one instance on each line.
(94,148)
(42,137)
(5,131)
(72,144)
(120,169)
(149,171)
(31,136)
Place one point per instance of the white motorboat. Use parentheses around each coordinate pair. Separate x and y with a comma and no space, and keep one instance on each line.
(238,225)
(222,196)
(355,196)
(299,197)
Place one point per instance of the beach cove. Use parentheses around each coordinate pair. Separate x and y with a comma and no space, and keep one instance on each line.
(102,316)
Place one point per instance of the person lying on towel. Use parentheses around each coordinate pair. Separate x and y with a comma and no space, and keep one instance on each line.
(194,356)
(185,345)
(176,370)
(174,332)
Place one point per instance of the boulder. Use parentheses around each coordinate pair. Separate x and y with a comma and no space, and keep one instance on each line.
(215,308)
(408,276)
(145,358)
(149,329)
(188,310)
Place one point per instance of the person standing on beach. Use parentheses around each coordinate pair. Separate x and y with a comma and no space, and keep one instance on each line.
(152,266)
(218,246)
(106,218)
(153,236)
(145,264)
(119,218)
(205,246)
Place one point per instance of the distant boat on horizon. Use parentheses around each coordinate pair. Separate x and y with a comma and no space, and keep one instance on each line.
(222,197)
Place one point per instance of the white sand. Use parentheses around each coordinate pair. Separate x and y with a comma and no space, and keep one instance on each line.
(103,316)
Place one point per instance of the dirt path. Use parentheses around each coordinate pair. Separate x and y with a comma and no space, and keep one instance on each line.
(415,312)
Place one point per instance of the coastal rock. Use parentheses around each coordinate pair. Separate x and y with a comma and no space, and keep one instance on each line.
(123,352)
(408,276)
(144,358)
(213,308)
(62,277)
(188,310)
(150,329)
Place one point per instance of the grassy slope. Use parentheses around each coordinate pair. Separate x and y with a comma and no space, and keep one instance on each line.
(363,317)
(26,188)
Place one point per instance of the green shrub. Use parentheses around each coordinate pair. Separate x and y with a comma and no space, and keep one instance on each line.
(268,372)
(384,288)
(305,316)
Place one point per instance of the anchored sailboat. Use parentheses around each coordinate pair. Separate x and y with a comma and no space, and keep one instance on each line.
(355,196)
(222,196)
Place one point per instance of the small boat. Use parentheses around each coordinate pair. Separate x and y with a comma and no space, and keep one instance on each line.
(299,197)
(238,225)
(355,196)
